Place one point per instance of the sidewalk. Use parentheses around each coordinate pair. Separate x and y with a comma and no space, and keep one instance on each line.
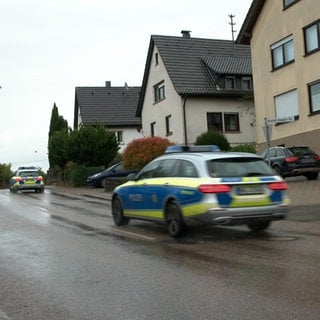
(98,193)
(301,192)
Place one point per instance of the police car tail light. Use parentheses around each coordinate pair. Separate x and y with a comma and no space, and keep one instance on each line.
(278,186)
(214,188)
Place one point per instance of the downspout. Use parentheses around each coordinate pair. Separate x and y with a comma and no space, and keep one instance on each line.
(185,120)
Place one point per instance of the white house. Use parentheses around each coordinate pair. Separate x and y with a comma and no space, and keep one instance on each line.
(192,85)
(114,107)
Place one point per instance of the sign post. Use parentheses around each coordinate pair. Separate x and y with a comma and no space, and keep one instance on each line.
(267,128)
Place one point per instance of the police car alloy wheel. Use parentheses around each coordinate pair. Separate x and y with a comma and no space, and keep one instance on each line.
(117,213)
(174,218)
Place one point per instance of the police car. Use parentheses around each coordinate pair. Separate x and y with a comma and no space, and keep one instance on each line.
(190,186)
(27,178)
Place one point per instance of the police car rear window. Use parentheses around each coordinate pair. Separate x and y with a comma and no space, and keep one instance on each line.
(239,167)
(28,173)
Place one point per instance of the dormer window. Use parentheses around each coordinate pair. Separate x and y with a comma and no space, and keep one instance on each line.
(230,82)
(246,83)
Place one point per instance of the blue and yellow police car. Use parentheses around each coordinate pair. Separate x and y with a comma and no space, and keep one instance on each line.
(200,185)
(27,178)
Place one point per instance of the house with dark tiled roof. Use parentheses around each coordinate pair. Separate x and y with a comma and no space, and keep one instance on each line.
(192,85)
(284,37)
(114,107)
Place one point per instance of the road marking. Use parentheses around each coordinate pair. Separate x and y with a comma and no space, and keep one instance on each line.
(3,316)
(42,209)
(136,235)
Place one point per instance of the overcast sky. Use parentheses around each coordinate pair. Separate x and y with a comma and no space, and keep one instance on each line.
(49,47)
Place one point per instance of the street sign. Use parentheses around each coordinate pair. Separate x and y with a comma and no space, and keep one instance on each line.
(267,130)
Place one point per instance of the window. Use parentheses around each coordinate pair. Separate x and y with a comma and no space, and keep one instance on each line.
(119,136)
(156,58)
(231,122)
(152,129)
(246,83)
(214,121)
(230,82)
(314,97)
(188,170)
(168,125)
(159,92)
(282,53)
(167,168)
(223,122)
(287,106)
(149,170)
(239,167)
(288,3)
(312,37)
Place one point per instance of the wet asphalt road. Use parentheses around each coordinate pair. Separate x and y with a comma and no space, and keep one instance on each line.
(62,258)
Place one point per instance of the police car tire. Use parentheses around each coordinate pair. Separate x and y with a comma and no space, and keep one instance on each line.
(117,213)
(174,219)
(259,226)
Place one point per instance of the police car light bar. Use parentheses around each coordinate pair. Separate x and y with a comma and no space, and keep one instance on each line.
(193,148)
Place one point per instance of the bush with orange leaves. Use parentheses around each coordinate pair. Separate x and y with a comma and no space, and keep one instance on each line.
(141,151)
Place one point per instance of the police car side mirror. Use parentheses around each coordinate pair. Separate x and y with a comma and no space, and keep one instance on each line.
(131,176)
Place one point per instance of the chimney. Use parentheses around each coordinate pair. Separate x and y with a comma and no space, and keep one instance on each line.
(108,84)
(185,33)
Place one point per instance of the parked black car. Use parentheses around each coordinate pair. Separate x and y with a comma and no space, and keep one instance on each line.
(293,161)
(115,171)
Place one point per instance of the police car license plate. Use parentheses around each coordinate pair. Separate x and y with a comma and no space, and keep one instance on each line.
(248,190)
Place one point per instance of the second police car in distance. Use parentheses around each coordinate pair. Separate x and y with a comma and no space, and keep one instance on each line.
(188,186)
(27,178)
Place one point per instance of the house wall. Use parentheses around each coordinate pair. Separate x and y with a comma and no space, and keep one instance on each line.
(157,112)
(128,134)
(275,23)
(196,111)
(196,117)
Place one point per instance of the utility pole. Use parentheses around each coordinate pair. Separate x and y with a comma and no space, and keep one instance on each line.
(231,16)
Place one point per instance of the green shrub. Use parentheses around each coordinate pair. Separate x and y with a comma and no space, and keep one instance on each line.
(141,151)
(5,174)
(76,175)
(213,137)
(246,147)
